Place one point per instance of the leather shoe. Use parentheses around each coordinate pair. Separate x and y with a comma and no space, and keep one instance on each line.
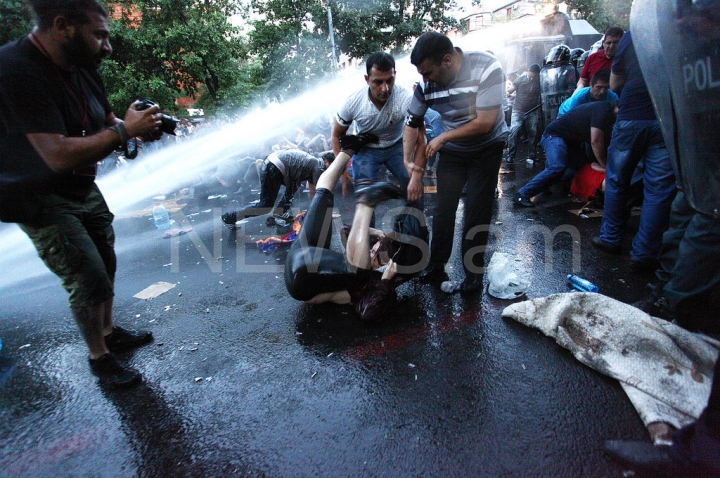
(472,284)
(643,265)
(519,200)
(229,218)
(606,246)
(373,193)
(642,456)
(434,274)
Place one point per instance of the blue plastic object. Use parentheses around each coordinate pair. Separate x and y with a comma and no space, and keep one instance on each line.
(583,285)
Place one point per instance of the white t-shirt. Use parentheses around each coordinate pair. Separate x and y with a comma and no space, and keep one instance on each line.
(387,123)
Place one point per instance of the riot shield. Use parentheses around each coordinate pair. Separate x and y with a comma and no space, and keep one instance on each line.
(680,60)
(557,83)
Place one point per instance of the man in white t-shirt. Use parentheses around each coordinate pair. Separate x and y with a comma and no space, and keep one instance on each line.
(379,109)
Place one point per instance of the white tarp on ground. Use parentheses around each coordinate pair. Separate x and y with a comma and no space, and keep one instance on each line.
(665,370)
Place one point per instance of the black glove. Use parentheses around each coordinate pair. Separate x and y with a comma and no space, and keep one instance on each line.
(351,144)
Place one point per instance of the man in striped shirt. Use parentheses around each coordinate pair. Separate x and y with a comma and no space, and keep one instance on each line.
(466,88)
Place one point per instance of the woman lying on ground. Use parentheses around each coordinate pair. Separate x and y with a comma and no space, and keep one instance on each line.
(364,277)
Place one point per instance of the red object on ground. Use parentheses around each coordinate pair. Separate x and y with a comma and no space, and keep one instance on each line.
(586,182)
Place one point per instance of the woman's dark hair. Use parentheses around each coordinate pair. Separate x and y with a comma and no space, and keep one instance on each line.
(75,11)
(375,299)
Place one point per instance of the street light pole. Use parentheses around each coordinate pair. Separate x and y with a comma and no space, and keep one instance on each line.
(332,37)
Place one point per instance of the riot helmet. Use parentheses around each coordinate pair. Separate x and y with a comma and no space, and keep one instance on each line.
(558,55)
(583,58)
(575,55)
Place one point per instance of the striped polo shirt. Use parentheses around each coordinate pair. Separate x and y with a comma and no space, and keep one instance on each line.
(478,86)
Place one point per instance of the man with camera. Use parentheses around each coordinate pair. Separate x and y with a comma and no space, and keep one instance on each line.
(55,125)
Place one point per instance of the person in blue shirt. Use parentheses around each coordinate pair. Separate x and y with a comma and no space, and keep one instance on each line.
(598,90)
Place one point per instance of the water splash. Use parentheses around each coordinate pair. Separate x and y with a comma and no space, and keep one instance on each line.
(173,166)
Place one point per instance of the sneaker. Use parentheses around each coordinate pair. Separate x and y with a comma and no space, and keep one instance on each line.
(229,218)
(434,274)
(121,339)
(112,374)
(606,246)
(473,283)
(373,193)
(518,200)
(285,216)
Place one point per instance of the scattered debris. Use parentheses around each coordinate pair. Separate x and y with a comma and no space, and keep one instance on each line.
(193,349)
(198,379)
(174,232)
(411,365)
(23,346)
(313,375)
(154,290)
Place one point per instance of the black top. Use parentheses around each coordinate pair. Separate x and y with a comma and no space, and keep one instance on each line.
(574,126)
(36,96)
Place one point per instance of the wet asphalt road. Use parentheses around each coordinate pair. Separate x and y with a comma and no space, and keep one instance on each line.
(242,380)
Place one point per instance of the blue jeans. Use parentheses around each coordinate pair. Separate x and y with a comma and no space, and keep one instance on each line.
(480,172)
(530,123)
(366,164)
(633,141)
(562,160)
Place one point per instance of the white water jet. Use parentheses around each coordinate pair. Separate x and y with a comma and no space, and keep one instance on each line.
(181,164)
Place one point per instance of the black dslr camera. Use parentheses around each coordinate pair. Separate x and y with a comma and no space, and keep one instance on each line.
(168,122)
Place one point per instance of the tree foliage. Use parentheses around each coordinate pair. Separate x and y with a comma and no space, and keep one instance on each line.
(15,20)
(291,37)
(603,14)
(164,49)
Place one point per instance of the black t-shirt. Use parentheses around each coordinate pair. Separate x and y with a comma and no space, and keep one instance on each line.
(38,97)
(574,126)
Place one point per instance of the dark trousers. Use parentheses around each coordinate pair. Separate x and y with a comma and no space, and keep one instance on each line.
(690,258)
(480,171)
(271,179)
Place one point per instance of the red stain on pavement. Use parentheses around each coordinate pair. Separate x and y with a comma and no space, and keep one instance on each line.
(406,338)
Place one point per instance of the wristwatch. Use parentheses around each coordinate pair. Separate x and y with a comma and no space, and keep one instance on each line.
(119,128)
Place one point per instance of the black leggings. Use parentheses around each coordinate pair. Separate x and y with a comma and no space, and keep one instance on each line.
(311,267)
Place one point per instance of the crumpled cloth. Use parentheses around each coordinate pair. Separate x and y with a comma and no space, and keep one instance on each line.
(665,370)
(272,243)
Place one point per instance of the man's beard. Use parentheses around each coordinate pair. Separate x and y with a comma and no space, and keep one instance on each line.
(79,54)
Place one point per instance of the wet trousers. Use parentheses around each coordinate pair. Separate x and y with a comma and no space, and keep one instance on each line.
(479,170)
(632,142)
(75,240)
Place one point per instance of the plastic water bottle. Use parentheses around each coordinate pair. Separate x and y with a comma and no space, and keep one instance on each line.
(160,213)
(583,285)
